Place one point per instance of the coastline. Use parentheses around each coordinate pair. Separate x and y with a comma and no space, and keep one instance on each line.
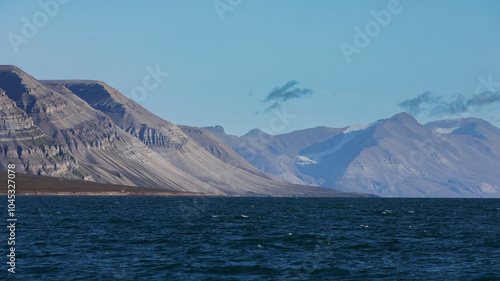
(34,185)
(117,194)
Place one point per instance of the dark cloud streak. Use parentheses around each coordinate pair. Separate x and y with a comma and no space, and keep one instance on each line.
(437,106)
(279,95)
(414,106)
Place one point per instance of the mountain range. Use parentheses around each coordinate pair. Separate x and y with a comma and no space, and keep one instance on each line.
(87,130)
(394,157)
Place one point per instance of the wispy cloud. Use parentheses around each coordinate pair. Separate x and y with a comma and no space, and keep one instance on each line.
(415,105)
(278,96)
(438,106)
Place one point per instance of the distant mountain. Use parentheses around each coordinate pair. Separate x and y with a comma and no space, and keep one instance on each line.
(87,130)
(474,127)
(392,157)
(277,155)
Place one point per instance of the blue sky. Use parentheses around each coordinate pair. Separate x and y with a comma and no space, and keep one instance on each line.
(224,57)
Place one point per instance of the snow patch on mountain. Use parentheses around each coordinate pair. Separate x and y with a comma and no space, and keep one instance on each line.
(349,134)
(445,130)
(359,127)
(303,160)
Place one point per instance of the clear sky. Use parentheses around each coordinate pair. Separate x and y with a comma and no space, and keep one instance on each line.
(226,57)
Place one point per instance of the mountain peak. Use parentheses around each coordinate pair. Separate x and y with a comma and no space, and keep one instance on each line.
(472,126)
(218,129)
(89,90)
(255,132)
(402,117)
(10,68)
(14,77)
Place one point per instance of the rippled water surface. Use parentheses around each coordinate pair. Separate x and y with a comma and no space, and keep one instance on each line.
(159,238)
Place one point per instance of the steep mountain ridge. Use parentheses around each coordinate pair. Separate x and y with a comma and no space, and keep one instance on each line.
(127,114)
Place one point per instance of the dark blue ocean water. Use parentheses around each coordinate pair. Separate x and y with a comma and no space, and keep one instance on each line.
(151,238)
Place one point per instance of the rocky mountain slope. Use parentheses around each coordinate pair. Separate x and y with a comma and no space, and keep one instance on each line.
(400,157)
(88,130)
